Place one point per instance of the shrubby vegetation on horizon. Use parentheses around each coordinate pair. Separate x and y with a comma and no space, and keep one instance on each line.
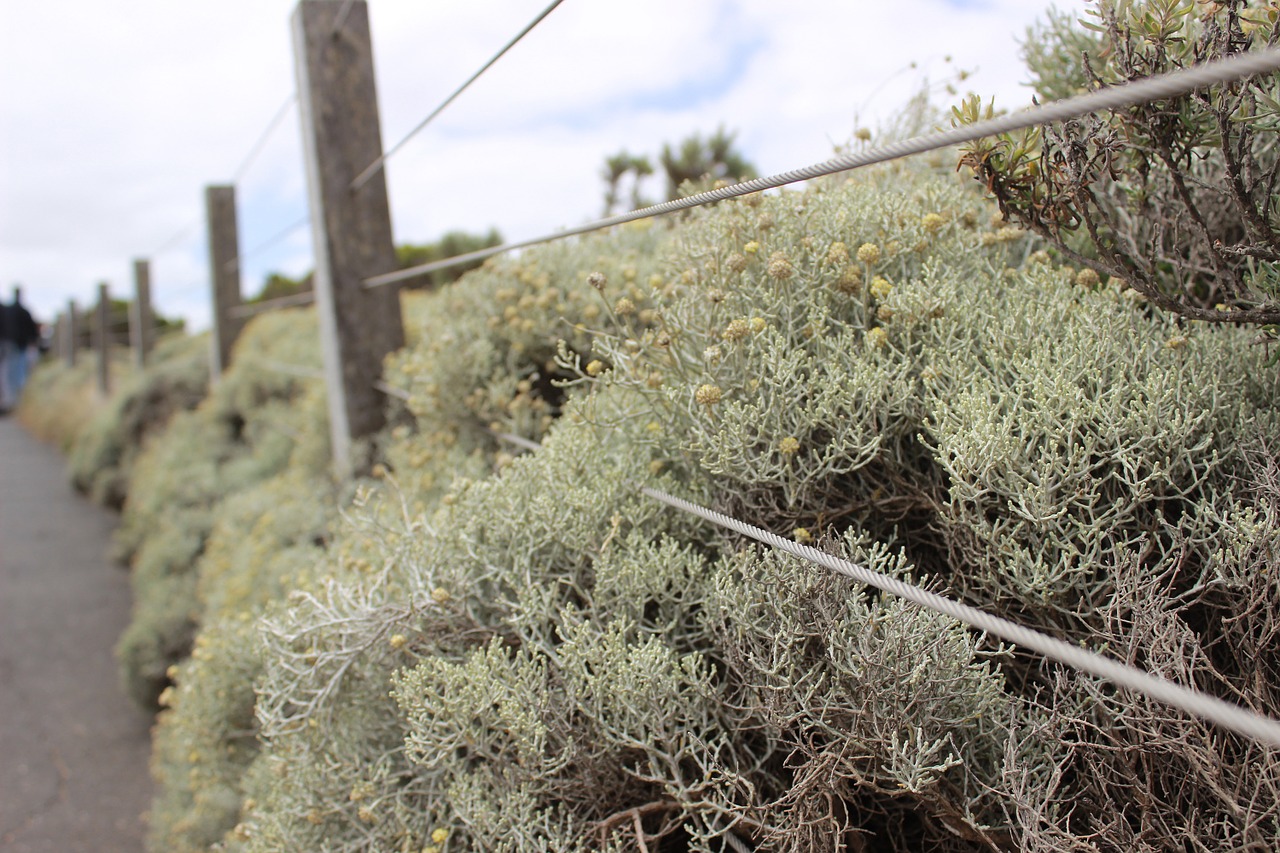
(477,649)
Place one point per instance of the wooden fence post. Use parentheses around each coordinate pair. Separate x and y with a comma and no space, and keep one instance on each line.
(141,330)
(224,273)
(103,326)
(73,321)
(56,337)
(351,229)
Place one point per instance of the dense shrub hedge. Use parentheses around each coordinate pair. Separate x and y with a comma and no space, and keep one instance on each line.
(481,649)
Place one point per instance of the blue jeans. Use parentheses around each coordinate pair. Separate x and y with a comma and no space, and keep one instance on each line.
(13,373)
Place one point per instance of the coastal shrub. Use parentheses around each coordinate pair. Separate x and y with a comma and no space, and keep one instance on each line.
(256,423)
(483,646)
(262,542)
(175,379)
(1177,195)
(536,657)
(59,402)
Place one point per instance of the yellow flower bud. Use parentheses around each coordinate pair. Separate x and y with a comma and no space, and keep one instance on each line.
(736,330)
(707,395)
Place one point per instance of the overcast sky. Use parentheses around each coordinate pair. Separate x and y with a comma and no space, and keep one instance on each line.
(115,116)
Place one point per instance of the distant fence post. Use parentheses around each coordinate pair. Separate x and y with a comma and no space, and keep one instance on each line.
(224,272)
(70,331)
(56,339)
(103,343)
(351,230)
(141,332)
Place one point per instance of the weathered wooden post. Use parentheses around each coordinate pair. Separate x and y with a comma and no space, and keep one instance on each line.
(73,321)
(351,229)
(56,338)
(141,330)
(103,342)
(224,273)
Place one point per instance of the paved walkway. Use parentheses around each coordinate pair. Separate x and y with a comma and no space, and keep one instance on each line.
(73,749)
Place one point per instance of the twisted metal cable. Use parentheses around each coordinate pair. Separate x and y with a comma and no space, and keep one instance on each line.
(391,390)
(185,232)
(1240,720)
(253,309)
(1125,95)
(269,242)
(262,140)
(373,168)
(341,20)
(298,370)
(254,151)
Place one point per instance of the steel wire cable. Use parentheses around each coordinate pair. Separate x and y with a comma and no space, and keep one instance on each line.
(1240,720)
(391,390)
(253,309)
(269,242)
(342,16)
(262,140)
(254,151)
(300,371)
(177,238)
(372,169)
(1125,95)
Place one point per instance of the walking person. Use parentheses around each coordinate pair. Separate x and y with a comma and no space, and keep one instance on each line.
(19,334)
(7,351)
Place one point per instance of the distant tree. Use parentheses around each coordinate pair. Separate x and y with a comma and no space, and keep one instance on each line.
(450,245)
(701,163)
(278,285)
(118,313)
(407,255)
(615,169)
(696,164)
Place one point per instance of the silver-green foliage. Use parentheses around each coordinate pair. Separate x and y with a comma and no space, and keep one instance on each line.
(176,379)
(255,423)
(502,652)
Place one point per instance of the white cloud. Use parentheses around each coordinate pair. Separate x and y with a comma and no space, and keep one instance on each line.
(113,117)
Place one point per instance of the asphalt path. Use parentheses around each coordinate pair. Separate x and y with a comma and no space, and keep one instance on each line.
(73,748)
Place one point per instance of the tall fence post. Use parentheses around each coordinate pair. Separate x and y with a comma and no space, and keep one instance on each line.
(224,273)
(70,331)
(141,329)
(351,229)
(103,342)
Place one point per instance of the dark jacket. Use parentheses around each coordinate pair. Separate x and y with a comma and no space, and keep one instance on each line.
(17,325)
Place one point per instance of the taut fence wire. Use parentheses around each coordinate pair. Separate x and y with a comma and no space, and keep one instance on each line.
(1125,95)
(270,241)
(290,369)
(257,147)
(372,169)
(1240,720)
(253,309)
